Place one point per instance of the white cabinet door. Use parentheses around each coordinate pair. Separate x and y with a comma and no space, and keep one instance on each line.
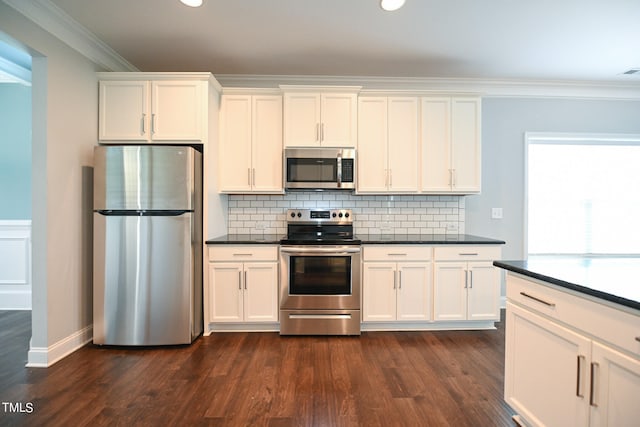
(436,146)
(451,149)
(413,291)
(465,142)
(320,120)
(378,292)
(388,159)
(483,291)
(266,157)
(163,110)
(261,292)
(450,292)
(339,120)
(402,144)
(616,388)
(234,164)
(301,119)
(546,370)
(226,296)
(176,110)
(250,144)
(372,147)
(124,111)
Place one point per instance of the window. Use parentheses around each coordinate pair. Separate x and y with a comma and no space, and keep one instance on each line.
(583,194)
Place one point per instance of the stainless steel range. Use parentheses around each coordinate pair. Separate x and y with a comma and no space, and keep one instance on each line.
(320,274)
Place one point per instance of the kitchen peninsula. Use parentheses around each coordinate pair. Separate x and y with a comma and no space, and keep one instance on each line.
(572,351)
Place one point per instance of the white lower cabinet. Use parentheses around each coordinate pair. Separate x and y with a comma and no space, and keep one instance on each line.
(559,371)
(465,289)
(243,285)
(396,291)
(396,283)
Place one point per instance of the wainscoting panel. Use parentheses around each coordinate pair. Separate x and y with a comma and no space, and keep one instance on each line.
(15,265)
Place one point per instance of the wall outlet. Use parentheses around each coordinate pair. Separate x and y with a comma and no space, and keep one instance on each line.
(496,213)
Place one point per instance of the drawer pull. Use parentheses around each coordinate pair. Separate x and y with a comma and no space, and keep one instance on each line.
(468,254)
(398,254)
(242,254)
(548,304)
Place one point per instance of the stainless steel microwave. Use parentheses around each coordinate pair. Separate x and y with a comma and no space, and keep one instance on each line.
(319,169)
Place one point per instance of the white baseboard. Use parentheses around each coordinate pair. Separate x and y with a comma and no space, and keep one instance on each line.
(43,357)
(15,265)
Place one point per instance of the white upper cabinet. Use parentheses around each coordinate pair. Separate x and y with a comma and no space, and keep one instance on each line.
(147,110)
(451,147)
(388,148)
(320,119)
(250,158)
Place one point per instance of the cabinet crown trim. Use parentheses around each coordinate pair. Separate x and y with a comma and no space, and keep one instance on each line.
(309,88)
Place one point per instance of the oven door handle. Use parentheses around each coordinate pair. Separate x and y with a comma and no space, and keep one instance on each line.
(321,251)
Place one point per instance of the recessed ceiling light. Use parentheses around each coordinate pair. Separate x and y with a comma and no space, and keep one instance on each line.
(192,3)
(391,5)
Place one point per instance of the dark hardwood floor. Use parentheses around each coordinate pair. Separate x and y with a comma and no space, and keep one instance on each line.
(452,378)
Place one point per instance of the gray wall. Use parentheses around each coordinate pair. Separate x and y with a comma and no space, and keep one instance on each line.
(15,151)
(504,123)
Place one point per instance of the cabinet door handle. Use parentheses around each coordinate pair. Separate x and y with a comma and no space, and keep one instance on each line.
(245,279)
(579,375)
(395,282)
(592,392)
(390,178)
(249,176)
(153,123)
(399,279)
(548,304)
(144,125)
(466,279)
(318,132)
(470,279)
(253,177)
(322,132)
(240,280)
(453,177)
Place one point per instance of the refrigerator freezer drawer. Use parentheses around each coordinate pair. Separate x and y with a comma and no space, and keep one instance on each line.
(144,282)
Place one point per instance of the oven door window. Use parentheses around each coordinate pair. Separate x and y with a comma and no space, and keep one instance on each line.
(312,170)
(320,275)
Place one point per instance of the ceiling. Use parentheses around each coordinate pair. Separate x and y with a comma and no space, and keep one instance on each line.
(575,40)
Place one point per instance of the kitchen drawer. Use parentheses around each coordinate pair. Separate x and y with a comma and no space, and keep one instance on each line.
(396,253)
(605,323)
(467,253)
(243,253)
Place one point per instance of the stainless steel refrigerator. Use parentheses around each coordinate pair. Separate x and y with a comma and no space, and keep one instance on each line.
(147,245)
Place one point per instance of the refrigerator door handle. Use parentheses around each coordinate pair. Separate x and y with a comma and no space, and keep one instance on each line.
(169,212)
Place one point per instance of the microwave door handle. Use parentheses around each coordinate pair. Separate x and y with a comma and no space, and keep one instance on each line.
(339,167)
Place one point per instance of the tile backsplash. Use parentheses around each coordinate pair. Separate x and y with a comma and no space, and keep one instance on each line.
(265,214)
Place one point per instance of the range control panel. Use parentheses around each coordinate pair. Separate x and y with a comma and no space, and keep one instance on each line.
(324,216)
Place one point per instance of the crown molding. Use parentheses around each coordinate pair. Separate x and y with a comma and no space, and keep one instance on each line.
(412,85)
(55,21)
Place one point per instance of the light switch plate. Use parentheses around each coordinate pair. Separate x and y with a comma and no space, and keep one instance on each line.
(496,213)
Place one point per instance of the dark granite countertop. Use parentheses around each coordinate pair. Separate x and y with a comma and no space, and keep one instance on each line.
(612,279)
(366,239)
(426,239)
(246,239)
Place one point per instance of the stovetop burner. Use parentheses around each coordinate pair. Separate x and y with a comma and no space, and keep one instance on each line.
(320,227)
